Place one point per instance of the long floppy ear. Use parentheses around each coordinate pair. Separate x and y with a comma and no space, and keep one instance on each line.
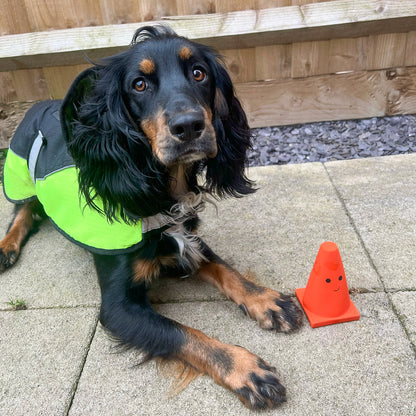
(117,173)
(225,173)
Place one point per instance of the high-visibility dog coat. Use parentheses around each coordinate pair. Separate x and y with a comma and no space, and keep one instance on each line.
(38,165)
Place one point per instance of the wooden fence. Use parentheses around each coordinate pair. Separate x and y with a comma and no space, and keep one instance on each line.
(293,61)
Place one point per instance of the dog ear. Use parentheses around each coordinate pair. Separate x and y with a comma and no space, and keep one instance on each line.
(225,173)
(79,89)
(117,173)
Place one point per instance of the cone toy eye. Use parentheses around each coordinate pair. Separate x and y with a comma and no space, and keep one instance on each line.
(328,280)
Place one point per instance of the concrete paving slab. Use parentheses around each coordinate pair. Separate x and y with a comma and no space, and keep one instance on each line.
(277,231)
(366,367)
(41,356)
(50,272)
(405,304)
(380,196)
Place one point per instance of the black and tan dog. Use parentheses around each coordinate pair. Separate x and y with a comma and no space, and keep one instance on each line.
(115,167)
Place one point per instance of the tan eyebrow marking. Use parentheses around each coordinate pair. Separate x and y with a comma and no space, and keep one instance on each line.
(147,66)
(185,53)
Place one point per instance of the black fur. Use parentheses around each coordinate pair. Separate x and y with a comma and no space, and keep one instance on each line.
(113,154)
(142,126)
(116,163)
(126,311)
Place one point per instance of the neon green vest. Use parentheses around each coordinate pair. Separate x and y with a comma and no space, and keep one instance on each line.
(57,190)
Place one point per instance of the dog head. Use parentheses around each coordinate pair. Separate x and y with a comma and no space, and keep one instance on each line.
(135,117)
(171,89)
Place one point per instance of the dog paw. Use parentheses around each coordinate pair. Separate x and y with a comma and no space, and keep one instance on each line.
(7,258)
(273,310)
(255,383)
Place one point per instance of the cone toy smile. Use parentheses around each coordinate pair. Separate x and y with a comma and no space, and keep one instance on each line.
(325,299)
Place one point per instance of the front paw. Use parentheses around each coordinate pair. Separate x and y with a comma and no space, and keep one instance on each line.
(8,256)
(255,382)
(273,310)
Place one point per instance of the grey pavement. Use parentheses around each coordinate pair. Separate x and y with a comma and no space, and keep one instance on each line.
(55,358)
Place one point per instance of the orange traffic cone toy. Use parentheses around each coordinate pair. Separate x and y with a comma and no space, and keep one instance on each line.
(325,299)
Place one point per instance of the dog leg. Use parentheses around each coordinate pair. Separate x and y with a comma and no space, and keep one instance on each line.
(126,312)
(269,308)
(19,230)
(253,380)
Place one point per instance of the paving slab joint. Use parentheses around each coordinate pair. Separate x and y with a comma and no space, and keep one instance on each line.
(367,253)
(401,319)
(354,226)
(81,368)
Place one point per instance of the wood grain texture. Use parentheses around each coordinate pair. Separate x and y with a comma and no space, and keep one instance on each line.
(112,13)
(241,64)
(233,30)
(322,98)
(330,97)
(313,54)
(410,55)
(310,58)
(347,55)
(59,78)
(273,62)
(30,85)
(7,90)
(14,17)
(186,7)
(51,14)
(386,50)
(224,6)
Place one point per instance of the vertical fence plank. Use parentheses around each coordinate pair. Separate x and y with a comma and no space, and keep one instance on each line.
(310,58)
(265,4)
(7,89)
(155,9)
(185,7)
(112,13)
(50,14)
(273,62)
(386,50)
(59,79)
(410,56)
(241,64)
(224,6)
(347,55)
(14,17)
(30,85)
(303,2)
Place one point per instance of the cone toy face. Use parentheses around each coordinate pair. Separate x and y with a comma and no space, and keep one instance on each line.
(326,299)
(327,289)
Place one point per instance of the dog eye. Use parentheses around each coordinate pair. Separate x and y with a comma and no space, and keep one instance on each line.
(199,74)
(140,85)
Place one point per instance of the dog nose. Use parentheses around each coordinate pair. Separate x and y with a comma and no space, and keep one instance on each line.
(187,126)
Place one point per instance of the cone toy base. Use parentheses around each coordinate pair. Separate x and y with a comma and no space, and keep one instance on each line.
(316,320)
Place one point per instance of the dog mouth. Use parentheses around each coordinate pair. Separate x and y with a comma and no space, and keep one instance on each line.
(191,156)
(193,152)
(170,148)
(172,151)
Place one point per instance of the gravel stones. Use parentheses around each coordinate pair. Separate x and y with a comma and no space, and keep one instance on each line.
(333,140)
